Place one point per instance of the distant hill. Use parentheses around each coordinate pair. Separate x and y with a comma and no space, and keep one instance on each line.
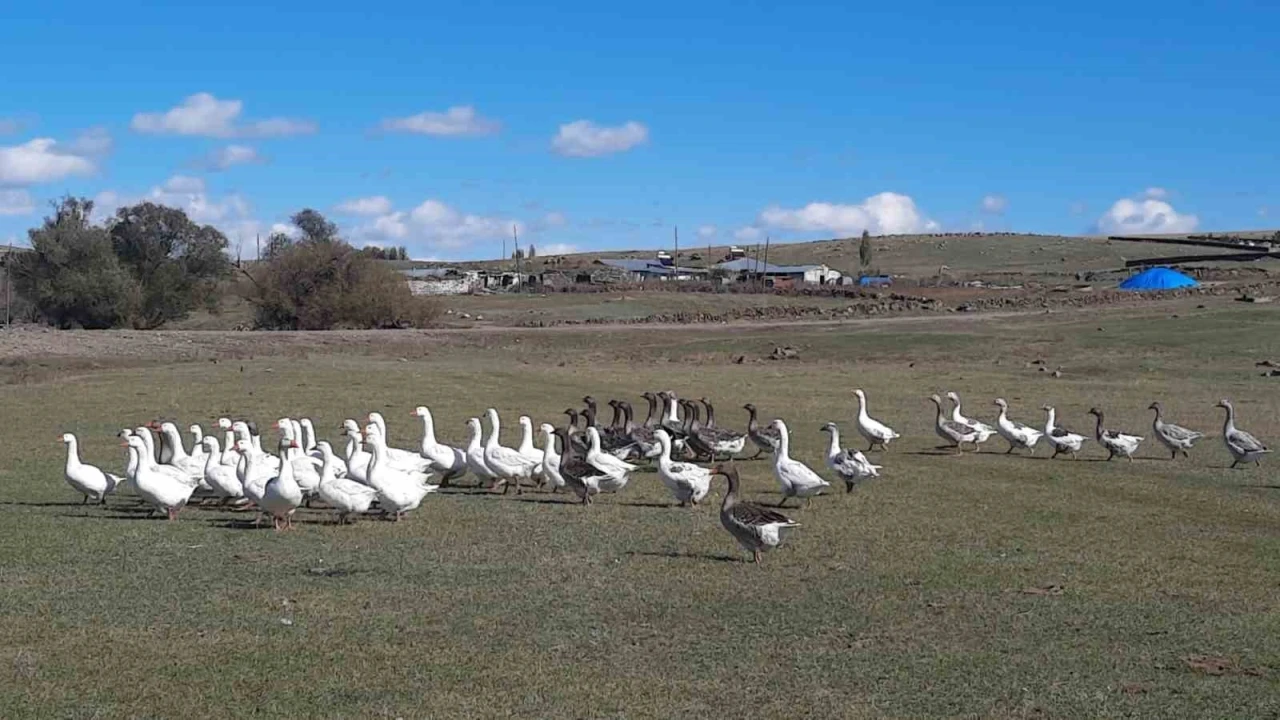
(916,256)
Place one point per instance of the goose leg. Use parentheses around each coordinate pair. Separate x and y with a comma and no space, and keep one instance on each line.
(1234,464)
(755,555)
(84,500)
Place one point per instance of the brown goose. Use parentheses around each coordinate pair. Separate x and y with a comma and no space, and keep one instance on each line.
(579,476)
(644,436)
(755,527)
(764,438)
(696,437)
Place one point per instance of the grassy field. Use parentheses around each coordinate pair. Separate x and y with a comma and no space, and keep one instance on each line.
(977,586)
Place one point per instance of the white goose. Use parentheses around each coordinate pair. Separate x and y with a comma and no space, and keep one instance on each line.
(160,490)
(306,469)
(475,455)
(1017,434)
(253,469)
(249,433)
(197,443)
(984,430)
(356,457)
(795,478)
(177,454)
(221,478)
(550,458)
(229,454)
(450,462)
(347,497)
(398,491)
(1062,440)
(689,483)
(851,465)
(507,464)
(281,496)
(147,455)
(406,460)
(617,470)
(88,480)
(876,432)
(1116,443)
(1244,448)
(526,446)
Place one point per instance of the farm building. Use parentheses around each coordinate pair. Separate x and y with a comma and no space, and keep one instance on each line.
(442,280)
(781,274)
(639,270)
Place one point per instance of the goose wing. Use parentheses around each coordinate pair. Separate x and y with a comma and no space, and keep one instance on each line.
(753,515)
(1246,442)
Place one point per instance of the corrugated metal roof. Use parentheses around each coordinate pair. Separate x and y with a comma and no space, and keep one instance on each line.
(752,265)
(637,265)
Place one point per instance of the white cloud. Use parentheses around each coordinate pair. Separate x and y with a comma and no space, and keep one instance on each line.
(707,231)
(435,224)
(994,204)
(376,205)
(1145,216)
(278,127)
(9,125)
(94,142)
(204,115)
(232,155)
(554,220)
(16,202)
(229,213)
(42,160)
(747,234)
(1155,193)
(884,214)
(457,121)
(557,249)
(583,138)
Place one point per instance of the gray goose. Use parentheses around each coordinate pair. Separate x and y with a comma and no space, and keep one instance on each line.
(1175,437)
(722,441)
(1244,448)
(642,435)
(755,527)
(953,433)
(763,437)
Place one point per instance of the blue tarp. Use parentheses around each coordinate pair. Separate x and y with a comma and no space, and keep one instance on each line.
(1158,279)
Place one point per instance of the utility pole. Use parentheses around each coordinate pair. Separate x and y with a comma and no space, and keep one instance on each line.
(8,285)
(764,280)
(257,244)
(675,261)
(515,243)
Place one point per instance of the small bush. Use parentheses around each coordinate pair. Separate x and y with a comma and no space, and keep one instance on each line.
(322,283)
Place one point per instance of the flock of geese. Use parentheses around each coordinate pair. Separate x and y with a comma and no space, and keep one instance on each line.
(582,457)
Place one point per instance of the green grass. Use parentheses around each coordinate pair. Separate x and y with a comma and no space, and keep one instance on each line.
(981,586)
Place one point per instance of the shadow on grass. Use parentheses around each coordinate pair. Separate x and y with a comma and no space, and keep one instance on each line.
(674,506)
(136,516)
(676,555)
(14,503)
(543,500)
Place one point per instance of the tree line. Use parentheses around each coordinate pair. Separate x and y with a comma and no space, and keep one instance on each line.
(149,264)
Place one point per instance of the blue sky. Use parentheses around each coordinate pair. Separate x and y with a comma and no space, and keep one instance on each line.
(588,126)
